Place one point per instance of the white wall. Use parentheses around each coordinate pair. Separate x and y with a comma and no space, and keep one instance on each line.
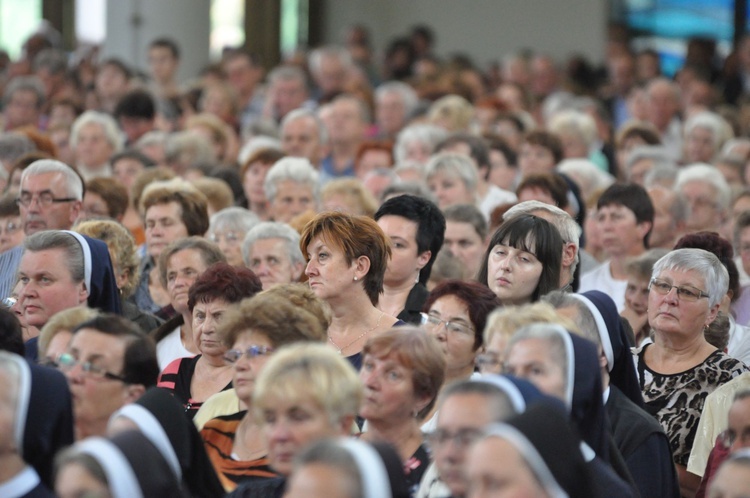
(484,29)
(133,24)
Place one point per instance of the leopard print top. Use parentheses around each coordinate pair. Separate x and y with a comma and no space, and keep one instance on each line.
(676,400)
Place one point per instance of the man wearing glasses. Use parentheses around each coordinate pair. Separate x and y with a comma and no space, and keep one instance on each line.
(50,198)
(109,363)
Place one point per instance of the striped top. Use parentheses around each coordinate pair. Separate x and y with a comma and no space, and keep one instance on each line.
(9,262)
(218,436)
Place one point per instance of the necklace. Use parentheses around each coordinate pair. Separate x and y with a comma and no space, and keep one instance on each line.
(360,336)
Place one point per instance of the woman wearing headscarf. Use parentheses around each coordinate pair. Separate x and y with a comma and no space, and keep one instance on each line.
(566,366)
(159,416)
(124,466)
(348,468)
(524,455)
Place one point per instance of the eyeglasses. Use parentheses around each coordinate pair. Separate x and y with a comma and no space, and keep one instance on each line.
(66,362)
(727,438)
(434,322)
(11,228)
(9,302)
(234,355)
(45,199)
(686,293)
(462,438)
(229,237)
(488,363)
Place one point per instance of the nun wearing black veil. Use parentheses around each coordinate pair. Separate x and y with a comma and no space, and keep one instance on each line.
(17,478)
(124,466)
(99,280)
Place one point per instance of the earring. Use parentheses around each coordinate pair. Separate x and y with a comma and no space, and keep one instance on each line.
(416,280)
(355,278)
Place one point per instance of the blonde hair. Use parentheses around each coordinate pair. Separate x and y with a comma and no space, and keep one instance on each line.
(313,372)
(508,319)
(359,201)
(121,246)
(64,320)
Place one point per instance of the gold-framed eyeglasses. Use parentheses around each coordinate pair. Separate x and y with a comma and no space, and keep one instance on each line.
(686,293)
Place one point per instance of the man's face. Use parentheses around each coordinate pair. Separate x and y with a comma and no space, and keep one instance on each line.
(390,113)
(96,398)
(47,286)
(346,123)
(269,259)
(288,95)
(111,82)
(241,74)
(705,213)
(56,216)
(461,414)
(162,63)
(301,138)
(465,243)
(662,105)
(332,75)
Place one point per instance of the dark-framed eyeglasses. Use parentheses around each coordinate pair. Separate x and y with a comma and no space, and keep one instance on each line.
(686,293)
(234,355)
(45,199)
(66,362)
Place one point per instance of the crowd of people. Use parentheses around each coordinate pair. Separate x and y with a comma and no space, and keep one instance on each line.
(362,276)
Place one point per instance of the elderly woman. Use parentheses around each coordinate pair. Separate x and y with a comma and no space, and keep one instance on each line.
(194,379)
(228,228)
(456,314)
(578,134)
(305,393)
(347,259)
(122,251)
(291,187)
(104,198)
(252,331)
(416,142)
(523,260)
(57,332)
(94,137)
(452,179)
(11,229)
(402,372)
(348,195)
(681,368)
(415,227)
(272,251)
(180,264)
(704,134)
(253,175)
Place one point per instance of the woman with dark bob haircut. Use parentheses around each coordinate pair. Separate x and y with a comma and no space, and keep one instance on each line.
(193,380)
(346,261)
(523,260)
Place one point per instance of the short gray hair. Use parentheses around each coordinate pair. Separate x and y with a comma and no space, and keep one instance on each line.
(58,239)
(305,113)
(316,57)
(233,218)
(708,174)
(456,164)
(553,335)
(273,230)
(296,169)
(709,121)
(428,134)
(706,264)
(107,123)
(408,96)
(288,73)
(73,182)
(27,83)
(577,123)
(584,319)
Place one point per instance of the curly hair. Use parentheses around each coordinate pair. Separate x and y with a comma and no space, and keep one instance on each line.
(223,281)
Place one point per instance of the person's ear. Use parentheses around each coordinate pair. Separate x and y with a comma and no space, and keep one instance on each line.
(133,392)
(75,210)
(423,259)
(712,313)
(361,267)
(569,254)
(644,227)
(83,294)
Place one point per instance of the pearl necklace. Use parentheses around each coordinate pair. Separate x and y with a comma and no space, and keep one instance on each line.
(360,336)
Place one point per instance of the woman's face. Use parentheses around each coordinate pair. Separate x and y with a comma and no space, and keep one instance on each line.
(699,146)
(11,232)
(513,274)
(389,390)
(93,149)
(230,243)
(458,342)
(183,269)
(532,359)
(252,183)
(73,480)
(329,275)
(670,314)
(206,319)
(290,425)
(449,189)
(495,469)
(636,294)
(248,367)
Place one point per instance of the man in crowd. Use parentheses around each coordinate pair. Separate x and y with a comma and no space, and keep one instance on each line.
(303,135)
